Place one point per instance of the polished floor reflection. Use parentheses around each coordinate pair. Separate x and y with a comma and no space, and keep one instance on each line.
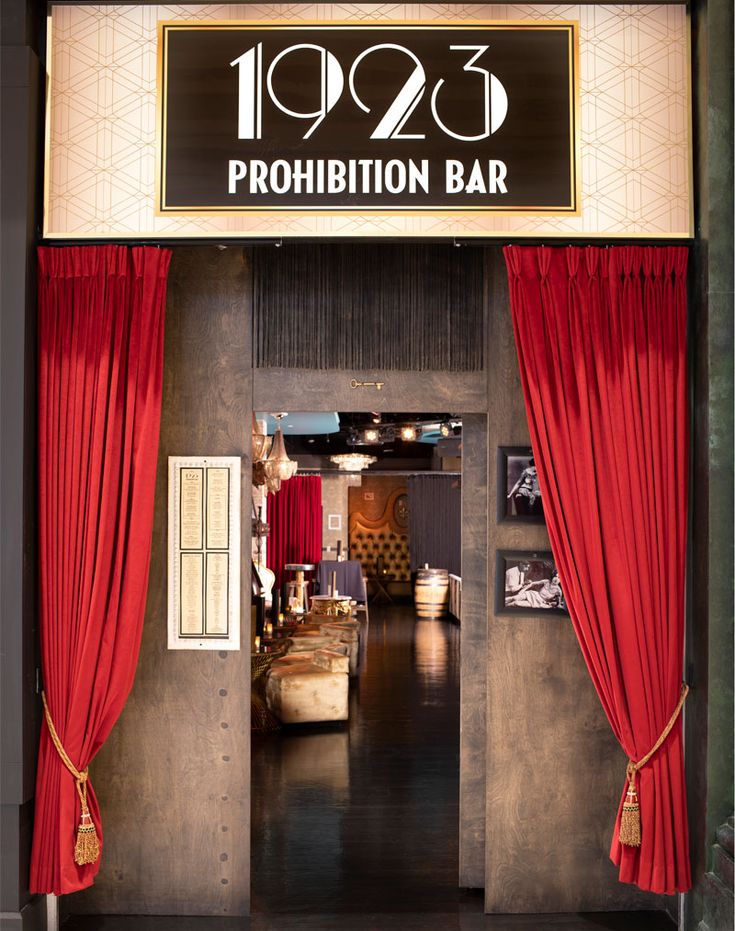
(362,817)
(403,921)
(355,825)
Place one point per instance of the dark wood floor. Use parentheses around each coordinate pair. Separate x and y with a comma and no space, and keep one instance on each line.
(355,825)
(404,921)
(363,817)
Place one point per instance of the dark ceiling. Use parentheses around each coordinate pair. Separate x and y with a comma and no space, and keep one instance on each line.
(351,436)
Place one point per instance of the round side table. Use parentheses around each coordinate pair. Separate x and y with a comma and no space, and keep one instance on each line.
(297,590)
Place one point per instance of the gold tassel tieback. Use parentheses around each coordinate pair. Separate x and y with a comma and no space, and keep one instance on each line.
(87,846)
(630,818)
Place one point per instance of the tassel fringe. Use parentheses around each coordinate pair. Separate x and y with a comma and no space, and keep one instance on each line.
(630,819)
(87,847)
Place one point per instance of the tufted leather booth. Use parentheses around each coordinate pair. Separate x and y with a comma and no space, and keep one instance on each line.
(368,543)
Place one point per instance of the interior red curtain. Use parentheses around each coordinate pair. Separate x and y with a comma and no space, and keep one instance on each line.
(295,518)
(100,355)
(601,340)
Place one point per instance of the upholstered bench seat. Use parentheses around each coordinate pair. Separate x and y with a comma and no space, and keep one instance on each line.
(333,660)
(348,633)
(309,692)
(291,659)
(307,643)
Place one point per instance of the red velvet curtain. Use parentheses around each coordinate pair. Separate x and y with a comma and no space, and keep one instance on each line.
(601,339)
(295,518)
(100,344)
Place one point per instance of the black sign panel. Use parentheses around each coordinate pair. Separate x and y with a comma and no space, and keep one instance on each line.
(431,117)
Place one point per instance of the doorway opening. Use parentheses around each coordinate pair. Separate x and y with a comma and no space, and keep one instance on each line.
(350,799)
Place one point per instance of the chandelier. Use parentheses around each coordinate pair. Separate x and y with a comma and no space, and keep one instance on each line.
(278,467)
(271,468)
(353,462)
(261,445)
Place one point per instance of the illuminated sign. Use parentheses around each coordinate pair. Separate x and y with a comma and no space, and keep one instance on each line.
(347,118)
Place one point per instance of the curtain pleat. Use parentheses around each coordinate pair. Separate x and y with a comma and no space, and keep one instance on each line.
(295,518)
(601,340)
(369,307)
(435,522)
(100,367)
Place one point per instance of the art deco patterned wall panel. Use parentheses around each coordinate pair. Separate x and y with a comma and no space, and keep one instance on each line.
(634,124)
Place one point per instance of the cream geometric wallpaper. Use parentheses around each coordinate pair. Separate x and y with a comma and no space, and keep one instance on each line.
(635,125)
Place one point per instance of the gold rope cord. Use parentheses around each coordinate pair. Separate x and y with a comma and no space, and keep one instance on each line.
(87,847)
(630,819)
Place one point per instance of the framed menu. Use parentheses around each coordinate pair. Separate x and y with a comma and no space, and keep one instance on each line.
(204,553)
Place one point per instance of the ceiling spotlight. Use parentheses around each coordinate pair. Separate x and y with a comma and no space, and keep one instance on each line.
(371,435)
(408,433)
(376,416)
(446,429)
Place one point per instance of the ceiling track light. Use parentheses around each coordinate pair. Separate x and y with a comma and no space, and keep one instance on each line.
(372,436)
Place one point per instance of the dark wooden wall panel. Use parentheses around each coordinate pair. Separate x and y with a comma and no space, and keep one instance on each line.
(404,306)
(708,714)
(21,109)
(473,656)
(554,770)
(309,390)
(174,778)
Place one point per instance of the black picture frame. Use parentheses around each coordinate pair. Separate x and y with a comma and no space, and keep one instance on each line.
(542,566)
(510,468)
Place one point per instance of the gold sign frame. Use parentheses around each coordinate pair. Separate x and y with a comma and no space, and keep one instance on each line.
(571,27)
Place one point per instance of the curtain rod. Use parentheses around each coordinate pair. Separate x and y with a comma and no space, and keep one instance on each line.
(277,242)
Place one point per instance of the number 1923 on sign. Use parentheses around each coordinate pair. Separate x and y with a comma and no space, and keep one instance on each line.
(341,115)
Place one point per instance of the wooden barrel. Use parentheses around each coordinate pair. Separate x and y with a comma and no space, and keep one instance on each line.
(431,595)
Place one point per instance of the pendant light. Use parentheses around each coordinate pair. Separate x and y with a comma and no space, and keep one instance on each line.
(261,446)
(278,466)
(261,440)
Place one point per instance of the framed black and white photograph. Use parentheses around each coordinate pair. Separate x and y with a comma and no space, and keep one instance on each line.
(519,493)
(527,583)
